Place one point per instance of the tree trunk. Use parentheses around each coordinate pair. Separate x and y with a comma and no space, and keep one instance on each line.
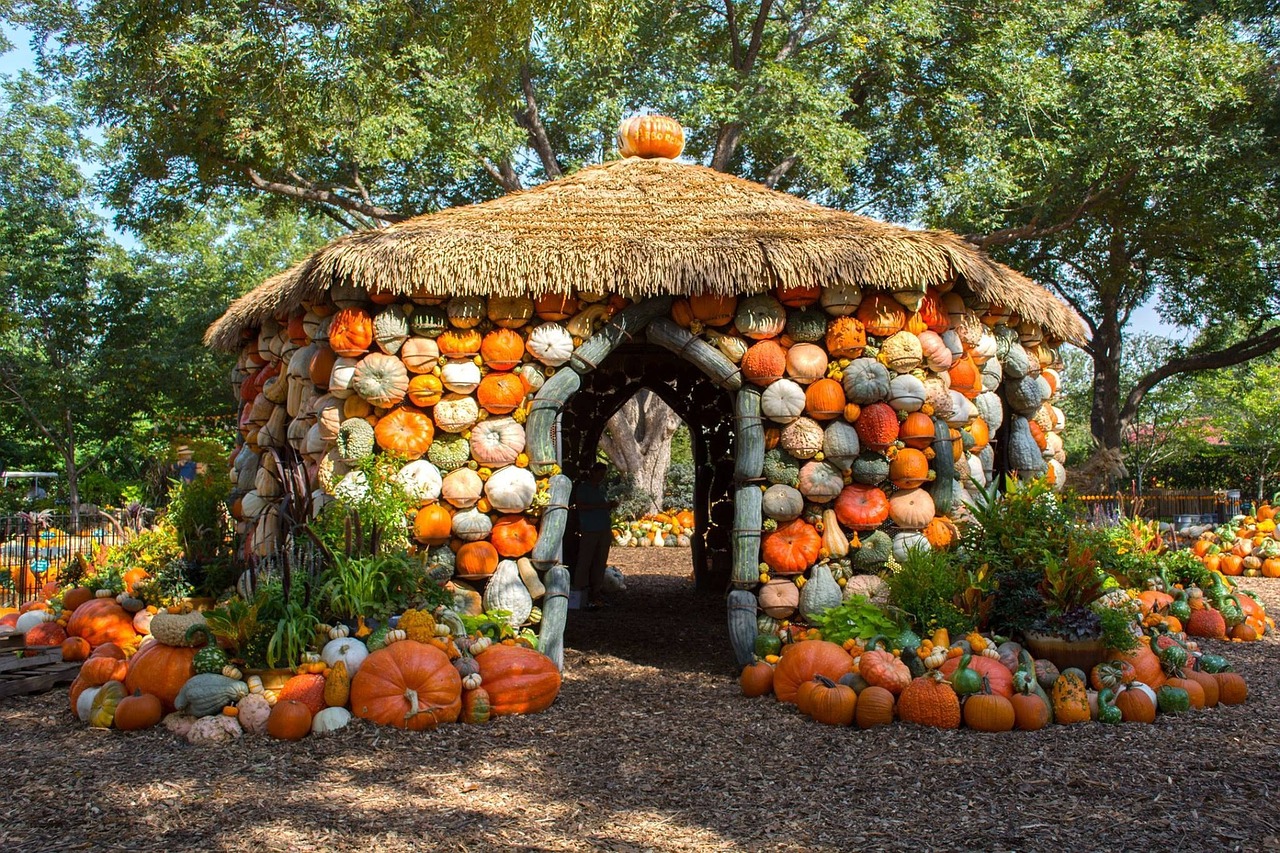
(1104,418)
(73,473)
(638,442)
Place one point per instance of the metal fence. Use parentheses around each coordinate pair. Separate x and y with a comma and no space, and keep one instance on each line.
(1179,506)
(36,548)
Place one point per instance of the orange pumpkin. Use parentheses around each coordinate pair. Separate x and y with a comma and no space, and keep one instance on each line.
(877,426)
(801,661)
(650,136)
(917,431)
(139,711)
(798,296)
(909,468)
(432,524)
(425,389)
(476,559)
(513,536)
(792,548)
(824,400)
(75,649)
(500,393)
(102,621)
(846,337)
(100,670)
(756,679)
(320,367)
(289,720)
(404,431)
(74,597)
(965,377)
(881,315)
(1145,662)
(502,349)
(407,684)
(161,671)
(861,507)
(350,332)
(996,673)
(882,669)
(555,306)
(519,680)
(307,688)
(765,362)
(46,634)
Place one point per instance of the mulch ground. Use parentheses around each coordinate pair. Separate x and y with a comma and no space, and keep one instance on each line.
(651,746)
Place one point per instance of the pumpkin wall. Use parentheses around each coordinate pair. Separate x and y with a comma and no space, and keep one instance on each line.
(863,419)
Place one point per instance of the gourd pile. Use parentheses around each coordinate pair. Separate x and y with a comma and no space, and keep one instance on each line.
(143,665)
(989,686)
(1248,545)
(670,529)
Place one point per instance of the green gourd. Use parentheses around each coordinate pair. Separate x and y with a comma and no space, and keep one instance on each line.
(1107,710)
(210,659)
(943,488)
(965,680)
(208,693)
(1213,664)
(742,625)
(874,551)
(1172,700)
(1025,680)
(555,610)
(767,644)
(820,593)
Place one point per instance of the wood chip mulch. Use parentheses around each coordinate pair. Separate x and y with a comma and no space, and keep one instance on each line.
(651,747)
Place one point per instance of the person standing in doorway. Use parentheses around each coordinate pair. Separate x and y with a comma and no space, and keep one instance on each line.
(595,523)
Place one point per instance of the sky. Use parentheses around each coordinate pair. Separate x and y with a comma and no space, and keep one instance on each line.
(20,58)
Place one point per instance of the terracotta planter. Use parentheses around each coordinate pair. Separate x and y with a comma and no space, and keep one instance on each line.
(1064,654)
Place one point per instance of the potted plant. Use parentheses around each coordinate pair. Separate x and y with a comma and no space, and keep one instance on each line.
(1069,632)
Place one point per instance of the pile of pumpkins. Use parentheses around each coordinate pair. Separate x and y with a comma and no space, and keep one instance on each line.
(1247,546)
(1219,612)
(425,671)
(990,687)
(879,410)
(670,529)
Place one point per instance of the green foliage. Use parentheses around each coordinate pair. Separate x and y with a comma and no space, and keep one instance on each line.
(153,550)
(198,514)
(375,520)
(926,586)
(235,623)
(168,586)
(854,618)
(494,624)
(379,585)
(679,489)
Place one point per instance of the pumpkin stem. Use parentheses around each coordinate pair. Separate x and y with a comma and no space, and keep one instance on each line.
(826,682)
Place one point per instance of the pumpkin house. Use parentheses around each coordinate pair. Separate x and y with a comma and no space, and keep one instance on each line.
(846,382)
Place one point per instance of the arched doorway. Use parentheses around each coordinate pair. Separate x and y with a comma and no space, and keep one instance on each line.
(706,409)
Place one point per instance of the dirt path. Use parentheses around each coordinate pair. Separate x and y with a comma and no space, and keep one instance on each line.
(650,746)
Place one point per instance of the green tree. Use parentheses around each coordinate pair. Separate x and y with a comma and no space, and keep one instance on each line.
(1119,152)
(1246,414)
(49,243)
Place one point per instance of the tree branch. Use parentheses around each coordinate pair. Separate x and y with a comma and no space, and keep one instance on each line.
(504,175)
(735,47)
(757,38)
(1250,348)
(1034,231)
(726,145)
(319,196)
(792,43)
(780,171)
(528,119)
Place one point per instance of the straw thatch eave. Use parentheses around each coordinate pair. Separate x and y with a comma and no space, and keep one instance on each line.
(640,228)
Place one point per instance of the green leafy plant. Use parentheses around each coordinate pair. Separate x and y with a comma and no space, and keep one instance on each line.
(493,624)
(368,586)
(168,586)
(926,586)
(198,514)
(856,618)
(369,521)
(294,631)
(234,623)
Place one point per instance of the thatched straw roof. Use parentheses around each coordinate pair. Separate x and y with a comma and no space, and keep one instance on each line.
(638,228)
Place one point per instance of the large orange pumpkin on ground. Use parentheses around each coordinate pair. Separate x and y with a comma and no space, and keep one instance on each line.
(409,685)
(102,621)
(161,671)
(801,661)
(519,680)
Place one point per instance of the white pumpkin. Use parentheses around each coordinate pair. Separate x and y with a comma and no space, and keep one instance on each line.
(906,541)
(505,591)
(783,401)
(252,504)
(352,488)
(349,650)
(462,488)
(906,393)
(456,413)
(344,370)
(420,480)
(471,525)
(330,720)
(84,703)
(461,376)
(550,343)
(511,489)
(820,482)
(962,410)
(496,442)
(31,619)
